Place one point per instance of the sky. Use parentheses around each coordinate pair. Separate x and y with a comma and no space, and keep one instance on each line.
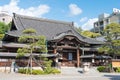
(82,12)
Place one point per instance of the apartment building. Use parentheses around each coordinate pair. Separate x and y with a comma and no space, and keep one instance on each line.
(105,19)
(5,17)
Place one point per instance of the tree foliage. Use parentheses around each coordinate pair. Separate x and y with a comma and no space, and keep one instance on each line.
(87,33)
(104,48)
(90,34)
(4,27)
(112,32)
(29,31)
(1,36)
(21,51)
(34,42)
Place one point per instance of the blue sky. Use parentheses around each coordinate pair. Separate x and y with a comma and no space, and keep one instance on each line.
(82,12)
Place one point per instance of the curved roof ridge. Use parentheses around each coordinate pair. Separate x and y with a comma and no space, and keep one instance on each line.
(42,19)
(59,35)
(87,39)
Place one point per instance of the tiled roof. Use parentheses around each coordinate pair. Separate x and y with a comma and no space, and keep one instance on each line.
(9,55)
(48,28)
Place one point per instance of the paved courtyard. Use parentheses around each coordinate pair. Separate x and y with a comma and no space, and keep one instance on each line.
(67,74)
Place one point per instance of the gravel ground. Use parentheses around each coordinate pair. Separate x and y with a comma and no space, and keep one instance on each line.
(67,74)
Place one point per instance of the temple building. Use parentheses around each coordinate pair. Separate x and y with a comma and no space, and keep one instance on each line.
(61,38)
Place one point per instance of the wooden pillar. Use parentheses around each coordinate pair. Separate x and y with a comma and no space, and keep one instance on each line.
(78,57)
(55,50)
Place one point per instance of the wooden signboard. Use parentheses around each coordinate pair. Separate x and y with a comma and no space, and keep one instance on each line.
(115,63)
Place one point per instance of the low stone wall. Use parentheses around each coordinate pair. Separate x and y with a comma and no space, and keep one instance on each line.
(11,70)
(5,69)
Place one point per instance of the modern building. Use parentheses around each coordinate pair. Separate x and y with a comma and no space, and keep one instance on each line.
(105,19)
(61,38)
(5,17)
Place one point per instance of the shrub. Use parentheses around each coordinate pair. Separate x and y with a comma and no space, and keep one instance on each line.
(118,69)
(37,72)
(101,68)
(20,70)
(27,71)
(24,71)
(51,71)
(48,70)
(55,71)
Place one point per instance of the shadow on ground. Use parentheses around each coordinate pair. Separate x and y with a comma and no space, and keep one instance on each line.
(113,77)
(80,71)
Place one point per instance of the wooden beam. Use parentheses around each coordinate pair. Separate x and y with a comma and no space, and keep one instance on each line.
(67,47)
(78,57)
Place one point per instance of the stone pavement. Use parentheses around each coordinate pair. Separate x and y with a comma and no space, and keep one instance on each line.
(92,74)
(70,73)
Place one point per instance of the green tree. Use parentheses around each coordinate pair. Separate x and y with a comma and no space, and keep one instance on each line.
(1,36)
(4,27)
(33,43)
(112,46)
(90,34)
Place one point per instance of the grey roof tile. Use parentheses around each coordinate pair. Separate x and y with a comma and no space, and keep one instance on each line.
(46,27)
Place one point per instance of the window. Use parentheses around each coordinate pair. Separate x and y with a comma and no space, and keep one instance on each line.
(3,19)
(107,21)
(70,56)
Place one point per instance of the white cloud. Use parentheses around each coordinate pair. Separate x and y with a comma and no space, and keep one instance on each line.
(76,24)
(89,24)
(83,19)
(74,9)
(31,11)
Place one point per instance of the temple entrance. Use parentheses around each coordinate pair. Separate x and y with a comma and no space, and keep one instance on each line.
(68,47)
(69,57)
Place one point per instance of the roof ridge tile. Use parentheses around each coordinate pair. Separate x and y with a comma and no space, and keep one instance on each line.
(42,19)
